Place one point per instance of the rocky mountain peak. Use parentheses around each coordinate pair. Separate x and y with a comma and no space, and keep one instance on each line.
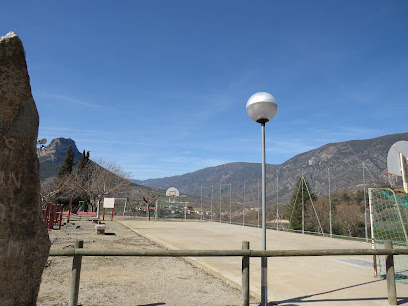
(57,149)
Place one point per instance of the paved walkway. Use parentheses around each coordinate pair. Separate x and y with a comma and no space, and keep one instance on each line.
(336,280)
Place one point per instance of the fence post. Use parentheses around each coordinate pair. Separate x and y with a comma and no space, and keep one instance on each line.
(75,275)
(390,273)
(245,275)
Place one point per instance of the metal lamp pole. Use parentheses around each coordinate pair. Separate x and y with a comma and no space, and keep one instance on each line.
(264,260)
(261,107)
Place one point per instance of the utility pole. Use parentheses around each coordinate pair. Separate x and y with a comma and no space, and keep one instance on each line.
(259,209)
(212,196)
(201,200)
(277,203)
(365,206)
(220,205)
(330,205)
(243,208)
(230,206)
(303,209)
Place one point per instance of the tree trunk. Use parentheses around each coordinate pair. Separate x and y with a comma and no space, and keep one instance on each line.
(148,212)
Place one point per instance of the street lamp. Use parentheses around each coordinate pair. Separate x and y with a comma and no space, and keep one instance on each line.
(261,107)
(41,144)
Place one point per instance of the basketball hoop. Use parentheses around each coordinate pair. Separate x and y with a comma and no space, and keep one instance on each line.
(397,162)
(172,193)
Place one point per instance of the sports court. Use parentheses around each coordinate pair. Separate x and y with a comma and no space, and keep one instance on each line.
(336,280)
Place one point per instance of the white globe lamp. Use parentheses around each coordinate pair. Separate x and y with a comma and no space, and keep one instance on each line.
(261,107)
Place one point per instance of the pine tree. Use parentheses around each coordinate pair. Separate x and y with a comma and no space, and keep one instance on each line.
(68,164)
(295,206)
(84,161)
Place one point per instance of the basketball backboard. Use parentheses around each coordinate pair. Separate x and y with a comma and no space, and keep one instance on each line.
(172,192)
(393,158)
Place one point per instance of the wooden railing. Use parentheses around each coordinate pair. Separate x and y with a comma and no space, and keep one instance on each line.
(77,252)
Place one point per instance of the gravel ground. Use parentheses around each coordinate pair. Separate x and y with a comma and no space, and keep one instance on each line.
(127,280)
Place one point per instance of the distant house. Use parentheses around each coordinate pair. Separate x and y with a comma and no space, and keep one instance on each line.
(144,208)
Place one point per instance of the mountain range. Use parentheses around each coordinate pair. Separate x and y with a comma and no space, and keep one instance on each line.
(339,165)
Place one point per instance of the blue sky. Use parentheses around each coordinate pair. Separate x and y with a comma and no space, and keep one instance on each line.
(160,87)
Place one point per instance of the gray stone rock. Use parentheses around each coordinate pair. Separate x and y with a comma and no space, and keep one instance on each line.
(24,242)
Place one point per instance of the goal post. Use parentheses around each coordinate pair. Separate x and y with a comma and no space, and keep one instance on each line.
(389,221)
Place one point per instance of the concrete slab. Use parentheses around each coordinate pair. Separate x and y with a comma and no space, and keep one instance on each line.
(336,280)
(100,229)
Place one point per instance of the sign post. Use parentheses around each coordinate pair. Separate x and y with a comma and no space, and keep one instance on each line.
(108,203)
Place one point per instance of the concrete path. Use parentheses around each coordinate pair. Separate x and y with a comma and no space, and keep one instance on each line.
(336,280)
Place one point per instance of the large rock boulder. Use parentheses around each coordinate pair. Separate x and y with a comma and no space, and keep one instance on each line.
(24,242)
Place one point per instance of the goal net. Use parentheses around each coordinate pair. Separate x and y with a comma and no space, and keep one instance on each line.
(121,207)
(389,220)
(172,210)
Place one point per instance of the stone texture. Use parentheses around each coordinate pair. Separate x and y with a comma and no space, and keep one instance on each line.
(24,242)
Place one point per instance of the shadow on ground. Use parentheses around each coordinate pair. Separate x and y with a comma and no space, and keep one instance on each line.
(305,299)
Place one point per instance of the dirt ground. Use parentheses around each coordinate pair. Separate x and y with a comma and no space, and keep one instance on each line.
(127,280)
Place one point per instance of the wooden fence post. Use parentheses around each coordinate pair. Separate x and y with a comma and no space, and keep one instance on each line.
(75,275)
(245,275)
(389,264)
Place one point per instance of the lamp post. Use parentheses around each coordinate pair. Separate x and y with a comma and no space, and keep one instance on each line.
(41,144)
(261,107)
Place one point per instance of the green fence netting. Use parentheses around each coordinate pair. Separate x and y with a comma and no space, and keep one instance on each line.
(389,218)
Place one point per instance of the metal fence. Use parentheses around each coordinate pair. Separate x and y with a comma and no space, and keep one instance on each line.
(239,203)
(77,252)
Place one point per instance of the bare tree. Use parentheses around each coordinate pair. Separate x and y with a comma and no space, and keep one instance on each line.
(63,186)
(322,210)
(148,199)
(103,179)
(93,182)
(350,217)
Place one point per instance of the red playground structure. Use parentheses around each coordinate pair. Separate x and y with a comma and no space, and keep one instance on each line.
(52,214)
